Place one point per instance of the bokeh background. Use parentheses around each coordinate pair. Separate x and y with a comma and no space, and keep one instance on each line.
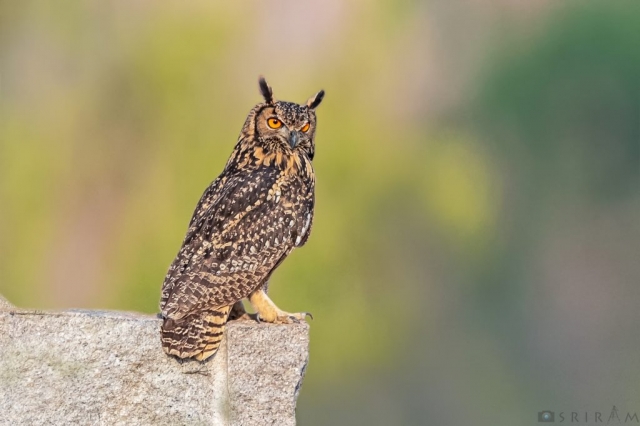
(475,254)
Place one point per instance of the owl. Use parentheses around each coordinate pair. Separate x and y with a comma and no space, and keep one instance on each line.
(245,225)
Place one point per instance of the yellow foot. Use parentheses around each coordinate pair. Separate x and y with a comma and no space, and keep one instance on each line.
(282,317)
(267,311)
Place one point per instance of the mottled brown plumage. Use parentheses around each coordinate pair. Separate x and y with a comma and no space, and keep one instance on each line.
(247,222)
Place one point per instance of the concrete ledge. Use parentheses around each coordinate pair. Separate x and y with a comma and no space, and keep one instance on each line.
(105,368)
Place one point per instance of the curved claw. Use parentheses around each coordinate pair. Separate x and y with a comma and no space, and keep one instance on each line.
(302,316)
(294,319)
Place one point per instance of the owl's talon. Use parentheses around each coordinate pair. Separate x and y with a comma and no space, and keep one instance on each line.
(302,316)
(270,313)
(290,318)
(285,319)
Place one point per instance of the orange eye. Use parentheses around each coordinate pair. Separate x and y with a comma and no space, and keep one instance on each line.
(305,129)
(274,123)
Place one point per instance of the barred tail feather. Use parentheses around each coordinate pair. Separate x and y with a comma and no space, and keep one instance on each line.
(196,335)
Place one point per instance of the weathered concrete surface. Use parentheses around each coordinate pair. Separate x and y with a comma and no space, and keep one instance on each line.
(107,368)
(268,387)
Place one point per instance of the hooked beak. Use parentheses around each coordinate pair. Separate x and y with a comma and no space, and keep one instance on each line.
(293,139)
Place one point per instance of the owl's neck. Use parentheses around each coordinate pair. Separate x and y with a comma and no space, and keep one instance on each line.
(252,156)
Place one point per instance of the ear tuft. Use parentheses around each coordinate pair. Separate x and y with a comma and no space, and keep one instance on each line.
(315,100)
(266,90)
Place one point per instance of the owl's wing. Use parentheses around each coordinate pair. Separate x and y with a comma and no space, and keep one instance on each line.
(239,232)
(305,222)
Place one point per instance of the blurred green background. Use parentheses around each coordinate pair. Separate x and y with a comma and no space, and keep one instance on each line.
(475,253)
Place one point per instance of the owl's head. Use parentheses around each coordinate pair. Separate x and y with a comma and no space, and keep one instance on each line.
(279,126)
